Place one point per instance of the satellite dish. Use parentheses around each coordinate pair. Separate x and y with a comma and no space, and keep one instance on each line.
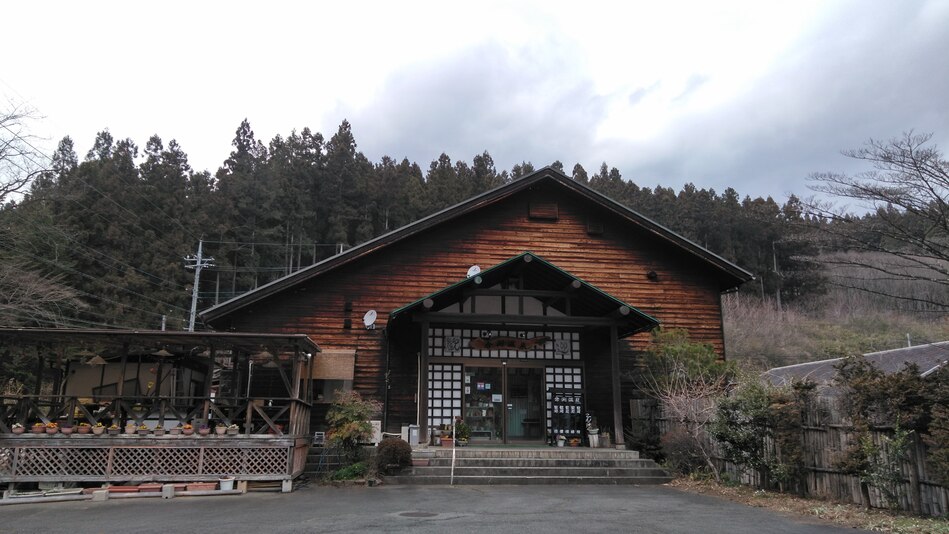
(473,270)
(370,319)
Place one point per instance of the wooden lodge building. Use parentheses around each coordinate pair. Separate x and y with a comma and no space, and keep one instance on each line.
(519,309)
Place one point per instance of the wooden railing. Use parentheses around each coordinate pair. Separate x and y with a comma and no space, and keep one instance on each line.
(254,416)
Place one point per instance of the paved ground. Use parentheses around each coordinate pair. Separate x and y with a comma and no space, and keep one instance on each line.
(482,509)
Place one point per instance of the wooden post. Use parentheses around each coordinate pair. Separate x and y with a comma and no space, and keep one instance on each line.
(120,388)
(40,361)
(423,384)
(617,394)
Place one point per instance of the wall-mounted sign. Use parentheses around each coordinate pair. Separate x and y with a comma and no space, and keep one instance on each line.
(506,342)
(496,397)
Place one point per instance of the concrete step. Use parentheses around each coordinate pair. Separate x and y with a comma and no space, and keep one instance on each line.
(546,452)
(542,462)
(541,465)
(522,480)
(568,472)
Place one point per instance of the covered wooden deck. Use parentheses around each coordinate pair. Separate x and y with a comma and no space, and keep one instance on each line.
(148,386)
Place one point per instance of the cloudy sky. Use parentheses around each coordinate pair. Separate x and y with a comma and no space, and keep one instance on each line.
(753,95)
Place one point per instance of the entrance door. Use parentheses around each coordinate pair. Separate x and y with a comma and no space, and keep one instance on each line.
(504,405)
(525,404)
(484,409)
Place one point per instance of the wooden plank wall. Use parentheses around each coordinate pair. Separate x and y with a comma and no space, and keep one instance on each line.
(685,295)
(824,446)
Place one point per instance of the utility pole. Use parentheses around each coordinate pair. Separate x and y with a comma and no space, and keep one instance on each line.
(197,263)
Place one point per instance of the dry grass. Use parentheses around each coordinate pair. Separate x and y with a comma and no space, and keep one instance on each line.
(848,515)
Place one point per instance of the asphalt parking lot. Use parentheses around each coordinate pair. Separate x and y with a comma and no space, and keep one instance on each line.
(522,509)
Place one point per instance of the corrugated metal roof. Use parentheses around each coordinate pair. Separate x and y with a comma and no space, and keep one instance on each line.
(928,358)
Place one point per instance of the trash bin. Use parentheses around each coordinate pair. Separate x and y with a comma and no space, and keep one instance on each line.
(413,435)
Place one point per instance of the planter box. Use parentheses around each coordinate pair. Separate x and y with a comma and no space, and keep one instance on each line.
(201,486)
(421,462)
(149,488)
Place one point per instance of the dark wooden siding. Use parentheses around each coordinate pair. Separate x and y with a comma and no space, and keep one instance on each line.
(684,295)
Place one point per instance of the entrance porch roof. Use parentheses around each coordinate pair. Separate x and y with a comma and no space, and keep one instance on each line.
(580,304)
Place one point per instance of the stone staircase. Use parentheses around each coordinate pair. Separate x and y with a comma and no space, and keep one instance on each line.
(545,465)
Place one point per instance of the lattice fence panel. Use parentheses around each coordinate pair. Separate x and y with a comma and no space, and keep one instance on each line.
(6,461)
(265,461)
(219,461)
(129,461)
(46,462)
(84,462)
(177,461)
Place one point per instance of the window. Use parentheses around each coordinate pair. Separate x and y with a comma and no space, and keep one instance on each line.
(325,390)
(332,371)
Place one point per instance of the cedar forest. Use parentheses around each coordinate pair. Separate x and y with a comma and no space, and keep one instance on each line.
(99,242)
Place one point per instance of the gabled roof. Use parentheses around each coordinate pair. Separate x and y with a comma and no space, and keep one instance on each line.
(732,274)
(928,358)
(538,274)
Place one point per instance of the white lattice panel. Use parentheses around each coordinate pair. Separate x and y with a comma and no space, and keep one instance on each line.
(103,463)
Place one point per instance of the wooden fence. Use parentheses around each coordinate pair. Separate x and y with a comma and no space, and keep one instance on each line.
(825,440)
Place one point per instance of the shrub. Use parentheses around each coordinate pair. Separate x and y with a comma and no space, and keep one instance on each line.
(681,452)
(348,420)
(393,454)
(350,472)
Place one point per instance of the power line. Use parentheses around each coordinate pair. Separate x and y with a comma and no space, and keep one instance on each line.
(55,264)
(151,278)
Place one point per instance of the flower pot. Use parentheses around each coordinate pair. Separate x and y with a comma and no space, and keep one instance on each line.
(204,431)
(131,429)
(98,430)
(447,442)
(67,430)
(594,440)
(187,431)
(232,431)
(159,431)
(113,431)
(175,431)
(18,430)
(561,442)
(227,483)
(39,429)
(143,432)
(220,430)
(84,429)
(51,430)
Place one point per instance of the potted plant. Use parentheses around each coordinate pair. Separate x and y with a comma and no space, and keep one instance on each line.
(52,427)
(462,432)
(446,438)
(574,442)
(203,430)
(114,429)
(98,429)
(220,429)
(17,428)
(187,429)
(561,440)
(66,428)
(593,431)
(233,429)
(131,428)
(39,427)
(84,428)
(143,430)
